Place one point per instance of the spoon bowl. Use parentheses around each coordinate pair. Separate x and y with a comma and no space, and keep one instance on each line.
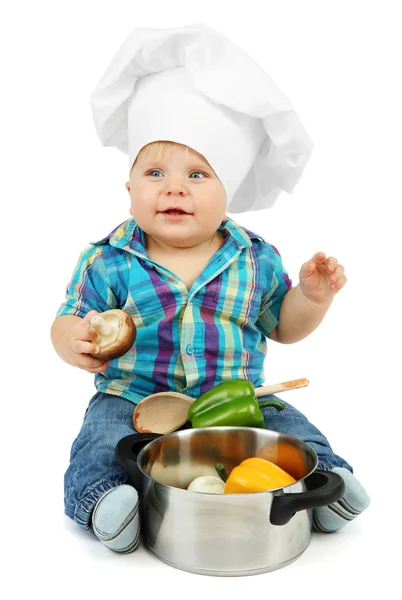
(162,413)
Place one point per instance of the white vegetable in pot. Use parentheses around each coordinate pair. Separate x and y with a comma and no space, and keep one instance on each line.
(180,474)
(116,333)
(208,484)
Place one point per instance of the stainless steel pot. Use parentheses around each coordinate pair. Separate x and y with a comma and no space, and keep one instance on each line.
(224,534)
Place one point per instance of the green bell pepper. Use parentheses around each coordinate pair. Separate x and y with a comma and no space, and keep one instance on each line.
(231,402)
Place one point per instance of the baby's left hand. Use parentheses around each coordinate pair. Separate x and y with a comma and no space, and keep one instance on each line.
(321,278)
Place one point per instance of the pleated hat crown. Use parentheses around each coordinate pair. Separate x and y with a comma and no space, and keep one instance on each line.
(193,86)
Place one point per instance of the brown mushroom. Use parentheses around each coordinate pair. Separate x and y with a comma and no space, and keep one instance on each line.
(116,333)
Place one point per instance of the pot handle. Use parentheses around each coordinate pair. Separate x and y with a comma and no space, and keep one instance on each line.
(126,453)
(323,488)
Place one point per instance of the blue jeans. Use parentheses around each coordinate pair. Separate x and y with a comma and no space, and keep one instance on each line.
(293,422)
(93,468)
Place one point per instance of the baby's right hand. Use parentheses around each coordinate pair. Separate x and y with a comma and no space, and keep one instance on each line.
(82,345)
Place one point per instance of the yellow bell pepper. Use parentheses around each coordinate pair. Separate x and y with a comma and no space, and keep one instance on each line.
(254,475)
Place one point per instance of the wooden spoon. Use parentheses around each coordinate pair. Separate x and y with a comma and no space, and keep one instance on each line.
(167,411)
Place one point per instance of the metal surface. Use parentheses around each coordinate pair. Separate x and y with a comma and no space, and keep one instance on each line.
(229,534)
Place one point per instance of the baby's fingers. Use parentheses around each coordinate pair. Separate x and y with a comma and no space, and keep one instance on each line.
(84,347)
(326,265)
(100,369)
(310,267)
(338,279)
(331,263)
(319,258)
(85,331)
(307,269)
(335,272)
(330,268)
(90,364)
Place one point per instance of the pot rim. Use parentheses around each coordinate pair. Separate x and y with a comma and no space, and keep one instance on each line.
(187,432)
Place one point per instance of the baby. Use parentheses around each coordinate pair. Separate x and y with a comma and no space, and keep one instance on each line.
(204,293)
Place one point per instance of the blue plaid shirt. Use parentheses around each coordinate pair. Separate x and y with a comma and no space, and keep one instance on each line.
(187,340)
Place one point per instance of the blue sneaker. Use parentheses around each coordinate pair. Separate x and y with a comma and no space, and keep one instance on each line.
(115,520)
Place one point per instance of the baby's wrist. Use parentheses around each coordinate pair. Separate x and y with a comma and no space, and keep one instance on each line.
(323,304)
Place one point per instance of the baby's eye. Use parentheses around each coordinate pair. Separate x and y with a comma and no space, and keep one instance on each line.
(197,173)
(151,173)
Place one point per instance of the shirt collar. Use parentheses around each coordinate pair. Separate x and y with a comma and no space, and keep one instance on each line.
(129,236)
(240,235)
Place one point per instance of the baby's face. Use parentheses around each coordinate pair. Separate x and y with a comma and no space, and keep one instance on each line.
(176,197)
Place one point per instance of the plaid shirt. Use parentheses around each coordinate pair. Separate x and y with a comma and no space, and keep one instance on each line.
(187,340)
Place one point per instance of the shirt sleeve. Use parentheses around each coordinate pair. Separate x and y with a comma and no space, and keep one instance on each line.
(278,284)
(89,288)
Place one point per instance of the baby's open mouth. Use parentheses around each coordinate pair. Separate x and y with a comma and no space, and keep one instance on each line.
(175,211)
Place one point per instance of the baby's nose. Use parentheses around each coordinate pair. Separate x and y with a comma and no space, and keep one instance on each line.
(176,187)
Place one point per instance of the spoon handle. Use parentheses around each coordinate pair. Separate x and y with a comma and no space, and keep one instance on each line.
(267,390)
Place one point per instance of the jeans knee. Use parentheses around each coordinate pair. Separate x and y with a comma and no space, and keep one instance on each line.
(80,509)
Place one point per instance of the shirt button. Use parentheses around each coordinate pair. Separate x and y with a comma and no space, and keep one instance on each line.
(190,349)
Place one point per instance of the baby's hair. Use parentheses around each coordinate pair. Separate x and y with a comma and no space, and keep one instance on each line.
(161,145)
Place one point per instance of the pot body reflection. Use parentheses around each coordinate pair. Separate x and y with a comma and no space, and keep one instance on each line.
(217,534)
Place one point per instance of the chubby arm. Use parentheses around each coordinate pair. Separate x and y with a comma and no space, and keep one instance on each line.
(304,306)
(88,293)
(72,338)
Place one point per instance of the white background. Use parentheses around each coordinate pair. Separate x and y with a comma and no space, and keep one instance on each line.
(339,64)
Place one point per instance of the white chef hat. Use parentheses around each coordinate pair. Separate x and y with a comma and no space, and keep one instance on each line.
(193,86)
